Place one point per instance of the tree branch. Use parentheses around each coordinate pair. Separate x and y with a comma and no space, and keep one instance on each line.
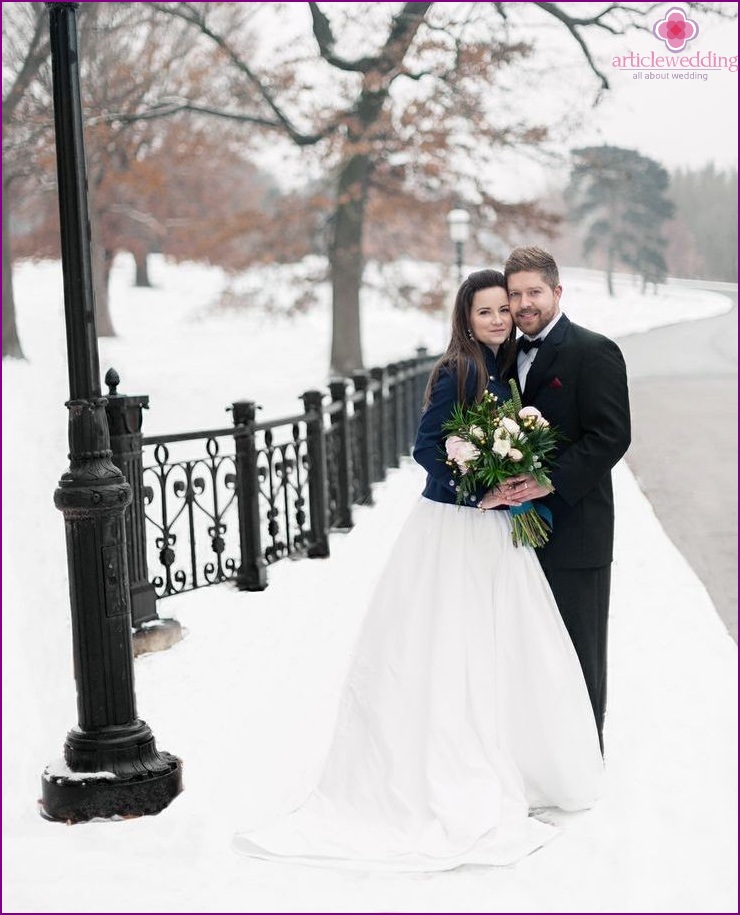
(636,19)
(188,13)
(166,109)
(38,50)
(324,36)
(573,24)
(408,17)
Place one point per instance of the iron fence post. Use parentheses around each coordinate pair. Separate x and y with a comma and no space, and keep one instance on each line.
(362,416)
(125,772)
(420,383)
(318,500)
(340,420)
(252,572)
(395,418)
(124,414)
(409,404)
(379,422)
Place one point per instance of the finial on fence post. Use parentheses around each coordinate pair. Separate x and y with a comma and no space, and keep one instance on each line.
(112,379)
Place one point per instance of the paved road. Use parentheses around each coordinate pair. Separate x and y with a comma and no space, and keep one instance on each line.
(683,390)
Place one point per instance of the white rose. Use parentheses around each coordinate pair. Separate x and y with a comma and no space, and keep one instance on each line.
(542,422)
(502,446)
(529,411)
(477,432)
(515,454)
(466,453)
(512,427)
(500,433)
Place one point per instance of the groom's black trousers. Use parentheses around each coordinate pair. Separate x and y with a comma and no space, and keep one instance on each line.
(582,596)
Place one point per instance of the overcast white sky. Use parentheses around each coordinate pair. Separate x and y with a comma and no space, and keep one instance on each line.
(677,122)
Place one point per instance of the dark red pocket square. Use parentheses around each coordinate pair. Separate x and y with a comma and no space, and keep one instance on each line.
(556,383)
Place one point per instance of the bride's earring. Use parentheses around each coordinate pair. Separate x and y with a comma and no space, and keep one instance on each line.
(470,334)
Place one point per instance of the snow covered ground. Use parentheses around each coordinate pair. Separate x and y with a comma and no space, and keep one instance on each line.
(248,698)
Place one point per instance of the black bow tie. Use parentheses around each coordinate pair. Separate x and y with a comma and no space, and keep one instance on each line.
(526,345)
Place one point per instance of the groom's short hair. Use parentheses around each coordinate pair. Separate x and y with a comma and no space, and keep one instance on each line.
(532,258)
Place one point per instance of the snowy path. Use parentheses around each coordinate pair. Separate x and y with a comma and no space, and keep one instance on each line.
(248,699)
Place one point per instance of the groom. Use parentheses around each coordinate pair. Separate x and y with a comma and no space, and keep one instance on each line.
(578,380)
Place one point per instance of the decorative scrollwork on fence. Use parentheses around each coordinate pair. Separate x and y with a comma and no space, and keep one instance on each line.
(282,471)
(223,516)
(190,506)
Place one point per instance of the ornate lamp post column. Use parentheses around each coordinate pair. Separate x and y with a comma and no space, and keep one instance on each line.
(111,764)
(458,221)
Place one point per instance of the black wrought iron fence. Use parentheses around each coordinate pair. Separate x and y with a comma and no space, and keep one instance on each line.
(190,510)
(223,504)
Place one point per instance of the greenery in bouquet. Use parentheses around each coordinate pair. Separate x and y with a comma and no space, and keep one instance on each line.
(491,441)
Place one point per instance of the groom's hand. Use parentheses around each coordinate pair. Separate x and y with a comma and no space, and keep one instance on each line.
(525,487)
(501,495)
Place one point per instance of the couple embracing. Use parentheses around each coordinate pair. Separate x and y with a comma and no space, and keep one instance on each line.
(476,695)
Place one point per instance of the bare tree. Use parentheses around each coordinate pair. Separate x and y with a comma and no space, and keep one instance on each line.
(125,66)
(395,132)
(25,51)
(416,101)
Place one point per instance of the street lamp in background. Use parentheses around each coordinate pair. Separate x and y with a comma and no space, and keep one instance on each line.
(458,221)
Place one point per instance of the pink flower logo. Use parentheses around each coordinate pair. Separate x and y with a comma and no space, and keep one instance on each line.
(675,30)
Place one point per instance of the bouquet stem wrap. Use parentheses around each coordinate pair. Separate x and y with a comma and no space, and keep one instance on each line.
(531,524)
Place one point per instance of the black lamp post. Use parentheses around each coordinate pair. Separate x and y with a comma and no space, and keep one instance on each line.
(111,763)
(458,221)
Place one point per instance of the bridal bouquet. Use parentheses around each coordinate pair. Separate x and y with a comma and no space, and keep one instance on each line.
(490,442)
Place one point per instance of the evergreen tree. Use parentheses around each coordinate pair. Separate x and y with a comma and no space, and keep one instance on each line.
(706,204)
(621,195)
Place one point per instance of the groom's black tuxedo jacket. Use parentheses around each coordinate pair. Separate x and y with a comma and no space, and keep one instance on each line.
(578,381)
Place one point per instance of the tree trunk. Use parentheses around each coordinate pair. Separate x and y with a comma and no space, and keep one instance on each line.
(141,259)
(11,343)
(610,272)
(347,263)
(101,263)
(100,269)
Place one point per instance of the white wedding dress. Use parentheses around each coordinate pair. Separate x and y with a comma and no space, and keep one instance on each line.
(464,708)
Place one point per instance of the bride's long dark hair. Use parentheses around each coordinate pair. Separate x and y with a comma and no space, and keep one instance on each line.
(462,353)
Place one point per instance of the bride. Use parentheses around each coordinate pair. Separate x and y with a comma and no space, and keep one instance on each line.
(465,707)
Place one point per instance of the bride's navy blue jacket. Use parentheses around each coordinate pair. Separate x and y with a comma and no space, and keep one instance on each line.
(429,449)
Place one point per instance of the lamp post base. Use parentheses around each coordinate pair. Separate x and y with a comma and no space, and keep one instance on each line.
(79,797)
(115,772)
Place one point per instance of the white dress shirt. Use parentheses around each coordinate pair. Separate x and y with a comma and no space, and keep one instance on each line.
(524,360)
